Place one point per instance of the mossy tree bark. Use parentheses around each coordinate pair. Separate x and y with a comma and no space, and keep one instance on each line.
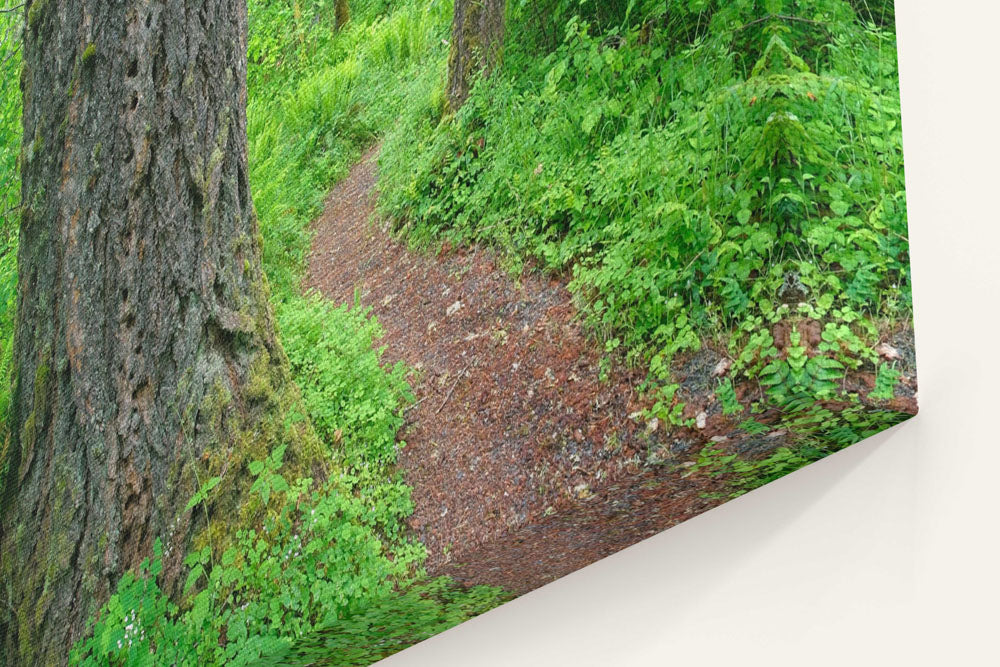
(341,14)
(477,35)
(145,356)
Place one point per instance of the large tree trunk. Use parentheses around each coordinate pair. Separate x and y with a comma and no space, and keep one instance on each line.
(145,353)
(477,34)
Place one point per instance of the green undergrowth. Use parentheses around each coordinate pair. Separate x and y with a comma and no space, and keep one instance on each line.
(316,104)
(334,561)
(808,431)
(703,170)
(381,630)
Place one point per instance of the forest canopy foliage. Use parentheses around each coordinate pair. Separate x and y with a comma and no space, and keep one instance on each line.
(702,170)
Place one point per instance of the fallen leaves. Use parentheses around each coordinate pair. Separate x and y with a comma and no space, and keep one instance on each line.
(722,367)
(888,352)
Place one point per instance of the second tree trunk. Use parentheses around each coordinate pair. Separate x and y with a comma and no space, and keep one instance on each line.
(477,35)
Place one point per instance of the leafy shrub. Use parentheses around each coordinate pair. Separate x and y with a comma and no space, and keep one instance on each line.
(332,559)
(321,558)
(351,399)
(704,169)
(680,187)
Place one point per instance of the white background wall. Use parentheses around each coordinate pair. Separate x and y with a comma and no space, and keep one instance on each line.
(884,554)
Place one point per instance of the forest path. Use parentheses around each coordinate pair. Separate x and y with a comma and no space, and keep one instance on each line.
(525,466)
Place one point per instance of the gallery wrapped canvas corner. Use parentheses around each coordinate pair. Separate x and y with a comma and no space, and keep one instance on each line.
(328,325)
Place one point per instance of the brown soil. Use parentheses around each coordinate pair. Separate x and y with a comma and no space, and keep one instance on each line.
(525,465)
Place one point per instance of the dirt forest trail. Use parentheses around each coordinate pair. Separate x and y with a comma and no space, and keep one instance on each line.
(525,466)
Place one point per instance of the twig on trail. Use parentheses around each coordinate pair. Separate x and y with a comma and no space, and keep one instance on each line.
(452,390)
(410,407)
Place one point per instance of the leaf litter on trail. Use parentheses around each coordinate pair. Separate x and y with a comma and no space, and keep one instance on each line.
(525,453)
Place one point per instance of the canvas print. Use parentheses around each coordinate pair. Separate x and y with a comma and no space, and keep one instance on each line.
(328,325)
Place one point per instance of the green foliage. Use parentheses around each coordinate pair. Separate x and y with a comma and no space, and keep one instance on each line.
(267,477)
(726,394)
(202,493)
(317,98)
(10,200)
(353,401)
(809,432)
(680,184)
(331,560)
(797,374)
(748,474)
(703,168)
(323,557)
(885,382)
(389,625)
